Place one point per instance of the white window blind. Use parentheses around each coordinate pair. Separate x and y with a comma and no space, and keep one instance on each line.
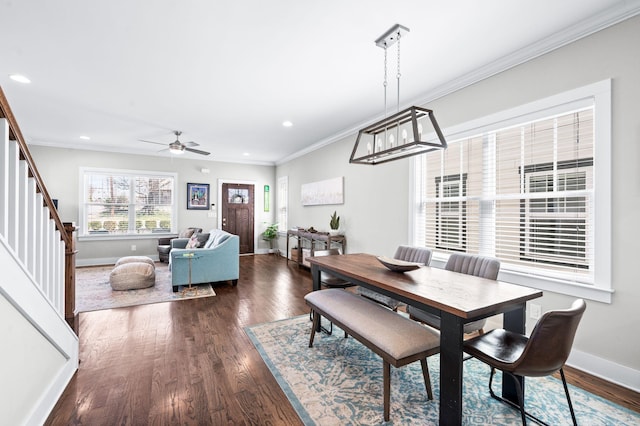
(283,203)
(522,194)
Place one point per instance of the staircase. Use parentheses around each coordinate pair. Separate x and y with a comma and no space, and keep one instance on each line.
(37,286)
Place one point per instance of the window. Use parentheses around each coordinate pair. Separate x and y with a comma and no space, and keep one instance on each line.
(283,203)
(555,229)
(522,189)
(450,226)
(126,203)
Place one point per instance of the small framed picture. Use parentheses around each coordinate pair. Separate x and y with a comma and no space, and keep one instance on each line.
(198,196)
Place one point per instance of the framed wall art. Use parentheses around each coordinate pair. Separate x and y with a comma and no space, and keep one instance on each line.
(328,191)
(198,196)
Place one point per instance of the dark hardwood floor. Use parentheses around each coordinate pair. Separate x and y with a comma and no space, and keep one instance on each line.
(190,362)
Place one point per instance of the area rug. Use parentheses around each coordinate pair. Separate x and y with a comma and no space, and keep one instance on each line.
(339,382)
(93,291)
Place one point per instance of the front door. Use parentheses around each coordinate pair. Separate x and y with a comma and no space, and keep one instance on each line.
(237,213)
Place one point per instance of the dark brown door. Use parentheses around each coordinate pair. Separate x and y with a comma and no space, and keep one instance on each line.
(237,213)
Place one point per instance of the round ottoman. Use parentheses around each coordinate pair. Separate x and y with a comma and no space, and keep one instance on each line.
(132,275)
(134,259)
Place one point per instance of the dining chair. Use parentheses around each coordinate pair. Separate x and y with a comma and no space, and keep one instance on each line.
(330,281)
(408,254)
(479,266)
(541,354)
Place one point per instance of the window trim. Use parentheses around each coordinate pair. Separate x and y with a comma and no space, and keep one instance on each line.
(597,94)
(82,212)
(283,199)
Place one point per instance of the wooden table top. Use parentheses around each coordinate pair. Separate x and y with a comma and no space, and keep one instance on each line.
(463,295)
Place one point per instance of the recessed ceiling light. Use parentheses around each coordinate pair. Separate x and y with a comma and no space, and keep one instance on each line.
(287,123)
(246,154)
(19,78)
(85,138)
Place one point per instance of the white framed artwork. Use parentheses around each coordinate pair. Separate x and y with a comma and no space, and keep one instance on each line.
(329,191)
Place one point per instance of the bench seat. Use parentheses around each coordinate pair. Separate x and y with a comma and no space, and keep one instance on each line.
(396,339)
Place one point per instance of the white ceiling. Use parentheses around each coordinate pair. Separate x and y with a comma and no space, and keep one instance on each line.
(227,74)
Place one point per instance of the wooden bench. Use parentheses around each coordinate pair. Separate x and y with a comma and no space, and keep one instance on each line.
(396,339)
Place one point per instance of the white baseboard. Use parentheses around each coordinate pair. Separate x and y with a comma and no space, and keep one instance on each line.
(268,251)
(99,261)
(605,369)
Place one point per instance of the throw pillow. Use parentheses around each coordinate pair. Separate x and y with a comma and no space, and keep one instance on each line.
(203,237)
(187,233)
(193,242)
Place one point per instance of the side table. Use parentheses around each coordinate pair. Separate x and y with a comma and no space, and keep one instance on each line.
(313,238)
(185,290)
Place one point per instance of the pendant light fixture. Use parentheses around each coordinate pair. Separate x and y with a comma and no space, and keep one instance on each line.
(411,131)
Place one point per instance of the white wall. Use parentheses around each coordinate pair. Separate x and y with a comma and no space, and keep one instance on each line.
(60,171)
(375,211)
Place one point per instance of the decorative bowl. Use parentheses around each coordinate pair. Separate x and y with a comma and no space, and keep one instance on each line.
(396,265)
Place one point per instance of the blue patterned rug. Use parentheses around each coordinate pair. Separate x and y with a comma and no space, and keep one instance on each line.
(339,382)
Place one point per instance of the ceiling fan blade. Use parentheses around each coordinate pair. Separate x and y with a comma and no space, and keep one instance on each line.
(197,151)
(192,143)
(157,143)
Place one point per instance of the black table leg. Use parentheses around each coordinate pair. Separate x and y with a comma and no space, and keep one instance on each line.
(515,321)
(315,276)
(451,333)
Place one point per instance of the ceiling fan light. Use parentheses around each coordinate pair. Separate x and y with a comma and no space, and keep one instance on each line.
(176,150)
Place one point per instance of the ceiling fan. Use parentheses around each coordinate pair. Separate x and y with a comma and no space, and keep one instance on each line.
(178,147)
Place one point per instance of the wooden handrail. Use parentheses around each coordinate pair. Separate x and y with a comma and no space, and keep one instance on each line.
(16,134)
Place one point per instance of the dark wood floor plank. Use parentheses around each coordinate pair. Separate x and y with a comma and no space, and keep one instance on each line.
(190,361)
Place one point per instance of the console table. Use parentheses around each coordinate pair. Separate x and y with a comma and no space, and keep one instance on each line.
(311,239)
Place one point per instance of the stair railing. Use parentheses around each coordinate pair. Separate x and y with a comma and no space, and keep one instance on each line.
(55,276)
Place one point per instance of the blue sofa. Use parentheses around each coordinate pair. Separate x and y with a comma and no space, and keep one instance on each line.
(217,260)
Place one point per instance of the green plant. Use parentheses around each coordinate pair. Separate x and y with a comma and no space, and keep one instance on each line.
(335,221)
(271,232)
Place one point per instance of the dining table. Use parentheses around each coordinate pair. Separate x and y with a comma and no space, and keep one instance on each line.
(456,298)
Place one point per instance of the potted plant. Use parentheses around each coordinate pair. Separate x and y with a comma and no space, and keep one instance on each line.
(334,224)
(270,234)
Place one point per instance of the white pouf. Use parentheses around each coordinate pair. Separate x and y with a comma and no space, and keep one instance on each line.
(134,259)
(132,275)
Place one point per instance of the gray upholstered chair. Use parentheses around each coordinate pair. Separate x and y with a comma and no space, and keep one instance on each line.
(407,253)
(479,266)
(164,244)
(541,354)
